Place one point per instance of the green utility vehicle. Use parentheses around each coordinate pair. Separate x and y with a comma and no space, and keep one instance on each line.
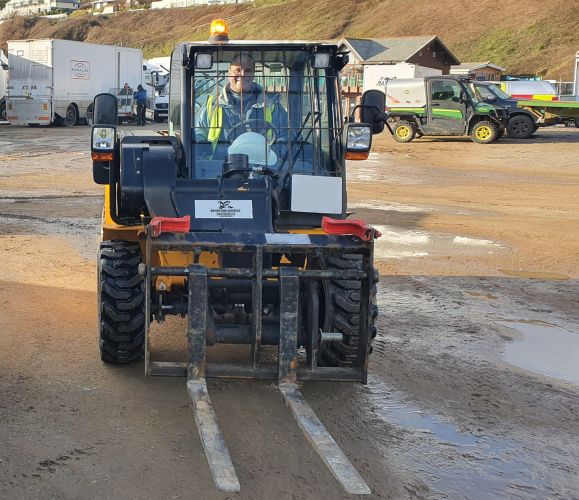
(440,105)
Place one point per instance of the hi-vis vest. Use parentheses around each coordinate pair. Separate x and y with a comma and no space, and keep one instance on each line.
(215,114)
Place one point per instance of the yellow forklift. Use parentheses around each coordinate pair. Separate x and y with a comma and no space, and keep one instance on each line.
(242,229)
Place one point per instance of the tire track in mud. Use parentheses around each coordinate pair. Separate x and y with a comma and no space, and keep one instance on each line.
(59,222)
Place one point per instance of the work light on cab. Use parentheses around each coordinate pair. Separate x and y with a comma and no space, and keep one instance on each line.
(219,31)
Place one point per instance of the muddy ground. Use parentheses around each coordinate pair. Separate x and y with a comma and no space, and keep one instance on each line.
(474,386)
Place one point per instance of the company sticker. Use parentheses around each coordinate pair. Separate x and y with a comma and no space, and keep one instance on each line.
(80,70)
(223,209)
(40,55)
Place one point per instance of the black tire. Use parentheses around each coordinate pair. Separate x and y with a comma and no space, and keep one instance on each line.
(90,115)
(521,127)
(71,116)
(577,122)
(404,131)
(121,302)
(2,111)
(484,132)
(340,312)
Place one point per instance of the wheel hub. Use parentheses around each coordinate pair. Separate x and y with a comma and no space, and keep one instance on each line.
(403,132)
(483,133)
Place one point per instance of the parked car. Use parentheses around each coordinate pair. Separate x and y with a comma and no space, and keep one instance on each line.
(542,111)
(521,123)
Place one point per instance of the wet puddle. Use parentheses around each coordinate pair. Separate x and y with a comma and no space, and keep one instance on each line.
(379,167)
(398,243)
(390,406)
(544,349)
(455,463)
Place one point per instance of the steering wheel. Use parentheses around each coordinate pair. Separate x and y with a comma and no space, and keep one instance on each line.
(255,125)
(261,171)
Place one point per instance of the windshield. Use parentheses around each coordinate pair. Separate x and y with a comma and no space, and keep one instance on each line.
(492,90)
(270,105)
(164,90)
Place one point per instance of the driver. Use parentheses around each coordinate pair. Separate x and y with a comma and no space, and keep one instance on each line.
(241,106)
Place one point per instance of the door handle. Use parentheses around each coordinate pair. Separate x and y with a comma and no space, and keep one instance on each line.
(437,105)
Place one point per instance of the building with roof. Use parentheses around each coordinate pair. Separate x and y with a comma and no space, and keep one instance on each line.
(379,59)
(478,70)
(105,6)
(28,8)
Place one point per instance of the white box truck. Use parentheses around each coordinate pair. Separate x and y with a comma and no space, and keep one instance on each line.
(376,75)
(56,80)
(156,83)
(3,85)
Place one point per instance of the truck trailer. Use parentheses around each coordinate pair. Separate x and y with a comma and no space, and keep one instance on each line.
(3,85)
(56,81)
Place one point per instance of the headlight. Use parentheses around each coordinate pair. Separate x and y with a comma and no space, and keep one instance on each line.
(103,142)
(359,137)
(358,141)
(103,138)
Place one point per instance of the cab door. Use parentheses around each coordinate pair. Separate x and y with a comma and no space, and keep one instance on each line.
(446,107)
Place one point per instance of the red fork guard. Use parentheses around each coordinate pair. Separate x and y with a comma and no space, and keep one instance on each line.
(170,225)
(355,227)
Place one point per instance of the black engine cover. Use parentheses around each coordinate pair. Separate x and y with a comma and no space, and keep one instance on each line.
(149,186)
(229,205)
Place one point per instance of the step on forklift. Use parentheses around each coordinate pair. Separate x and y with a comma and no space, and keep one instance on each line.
(241,228)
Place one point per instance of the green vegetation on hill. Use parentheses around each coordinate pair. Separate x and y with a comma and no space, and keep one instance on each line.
(525,36)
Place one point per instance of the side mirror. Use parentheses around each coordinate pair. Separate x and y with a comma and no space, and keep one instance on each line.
(490,98)
(105,109)
(358,141)
(103,136)
(373,102)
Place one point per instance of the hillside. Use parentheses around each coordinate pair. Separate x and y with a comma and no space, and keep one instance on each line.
(525,36)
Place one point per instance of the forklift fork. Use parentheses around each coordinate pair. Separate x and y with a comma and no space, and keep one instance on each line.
(213,443)
(216,451)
